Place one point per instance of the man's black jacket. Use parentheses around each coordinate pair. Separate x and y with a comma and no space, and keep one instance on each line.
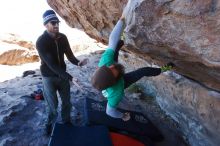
(51,52)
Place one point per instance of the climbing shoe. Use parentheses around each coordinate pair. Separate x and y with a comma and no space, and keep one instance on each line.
(167,67)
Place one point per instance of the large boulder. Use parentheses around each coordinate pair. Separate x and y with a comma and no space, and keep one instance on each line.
(184,32)
(96,18)
(15,51)
(195,107)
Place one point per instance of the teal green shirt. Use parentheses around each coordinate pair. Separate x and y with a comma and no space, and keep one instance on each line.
(114,93)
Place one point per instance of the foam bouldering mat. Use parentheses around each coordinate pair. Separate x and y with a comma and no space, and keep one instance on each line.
(124,140)
(68,135)
(138,125)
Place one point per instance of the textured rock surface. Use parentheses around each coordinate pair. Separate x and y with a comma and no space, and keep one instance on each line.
(195,107)
(185,32)
(15,51)
(95,17)
(182,31)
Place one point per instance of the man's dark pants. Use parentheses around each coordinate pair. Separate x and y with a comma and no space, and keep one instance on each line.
(50,87)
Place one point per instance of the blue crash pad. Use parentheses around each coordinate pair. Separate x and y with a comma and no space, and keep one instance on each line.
(138,125)
(68,135)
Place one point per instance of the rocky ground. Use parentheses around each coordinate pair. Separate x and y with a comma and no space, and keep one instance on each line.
(22,118)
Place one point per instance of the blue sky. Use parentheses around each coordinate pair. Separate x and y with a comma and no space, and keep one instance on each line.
(24,17)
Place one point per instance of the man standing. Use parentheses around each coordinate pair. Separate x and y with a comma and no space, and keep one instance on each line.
(52,46)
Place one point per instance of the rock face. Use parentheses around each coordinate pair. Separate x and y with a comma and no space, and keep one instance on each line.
(184,32)
(193,106)
(15,51)
(96,18)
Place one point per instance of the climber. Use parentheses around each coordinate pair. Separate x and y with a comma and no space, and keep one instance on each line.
(110,78)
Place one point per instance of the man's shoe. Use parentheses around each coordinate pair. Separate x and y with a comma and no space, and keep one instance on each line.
(167,67)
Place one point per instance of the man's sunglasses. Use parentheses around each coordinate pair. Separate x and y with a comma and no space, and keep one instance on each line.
(54,22)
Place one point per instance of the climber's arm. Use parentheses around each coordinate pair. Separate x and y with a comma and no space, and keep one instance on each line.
(116,34)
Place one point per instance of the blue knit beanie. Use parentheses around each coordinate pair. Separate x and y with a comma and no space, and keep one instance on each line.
(48,16)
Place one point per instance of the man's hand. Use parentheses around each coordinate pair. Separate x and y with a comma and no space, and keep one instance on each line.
(83,62)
